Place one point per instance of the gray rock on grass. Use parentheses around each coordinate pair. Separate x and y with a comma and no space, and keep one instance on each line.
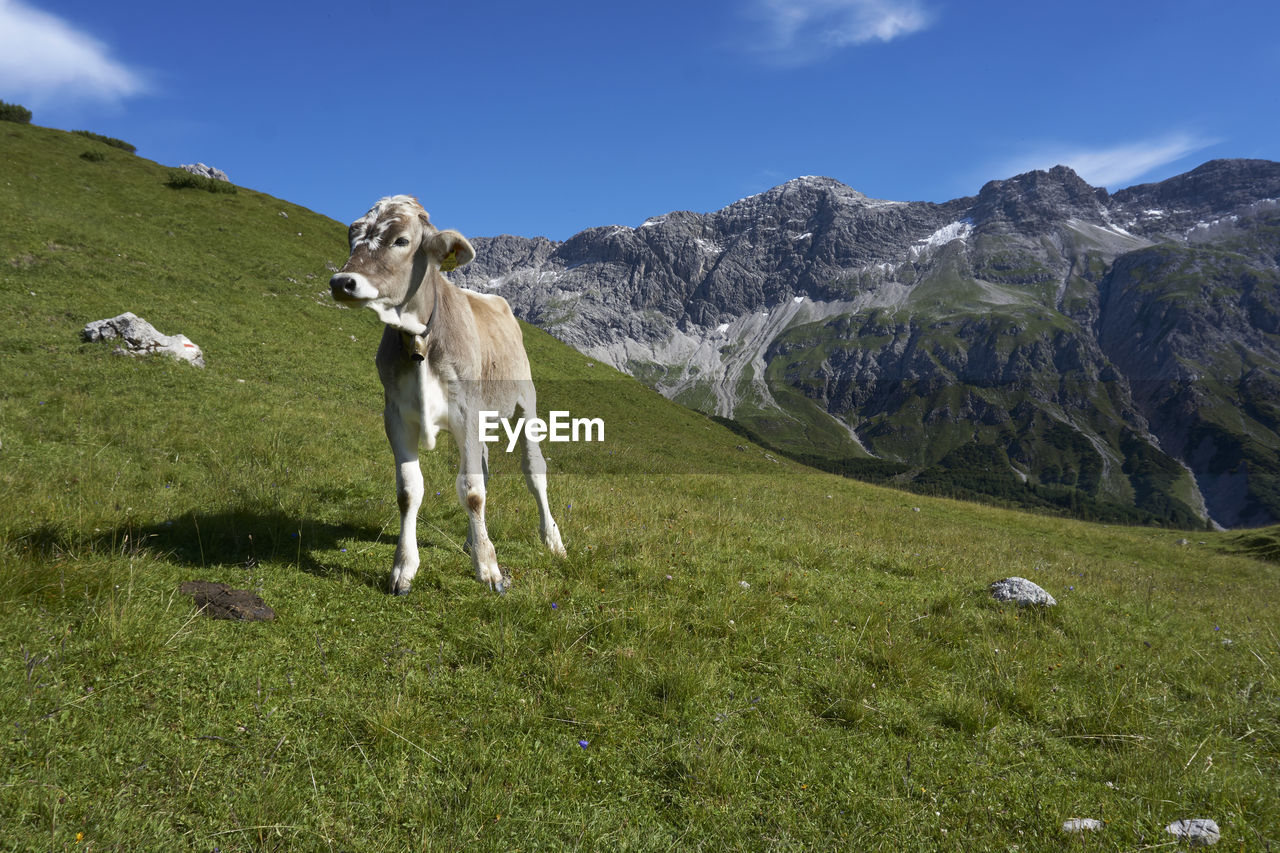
(1021,590)
(138,337)
(205,171)
(1081,824)
(1198,832)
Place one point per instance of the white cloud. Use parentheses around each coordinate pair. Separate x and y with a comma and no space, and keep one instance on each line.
(803,31)
(44,59)
(1115,166)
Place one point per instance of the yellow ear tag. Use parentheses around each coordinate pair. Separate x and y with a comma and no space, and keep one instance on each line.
(450,261)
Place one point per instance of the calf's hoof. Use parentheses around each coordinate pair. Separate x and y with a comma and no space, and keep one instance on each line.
(494,580)
(400,579)
(551,538)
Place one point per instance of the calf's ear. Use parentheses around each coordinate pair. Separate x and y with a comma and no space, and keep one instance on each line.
(450,249)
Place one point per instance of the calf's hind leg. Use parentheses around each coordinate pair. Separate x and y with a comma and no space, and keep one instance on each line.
(484,464)
(471,494)
(535,477)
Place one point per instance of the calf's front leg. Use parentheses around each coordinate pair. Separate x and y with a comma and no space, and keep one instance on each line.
(402,433)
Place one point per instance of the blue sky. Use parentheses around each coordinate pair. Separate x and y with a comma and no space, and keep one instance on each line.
(547,118)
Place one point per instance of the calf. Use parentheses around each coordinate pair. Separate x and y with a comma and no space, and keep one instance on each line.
(446,355)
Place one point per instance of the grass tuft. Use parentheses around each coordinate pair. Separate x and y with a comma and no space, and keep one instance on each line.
(181,179)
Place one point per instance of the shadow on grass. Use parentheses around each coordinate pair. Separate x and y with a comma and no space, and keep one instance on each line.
(1261,544)
(237,539)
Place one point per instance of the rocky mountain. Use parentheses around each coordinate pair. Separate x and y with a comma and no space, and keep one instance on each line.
(1045,342)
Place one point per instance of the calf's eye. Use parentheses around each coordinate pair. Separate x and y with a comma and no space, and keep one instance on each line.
(402,241)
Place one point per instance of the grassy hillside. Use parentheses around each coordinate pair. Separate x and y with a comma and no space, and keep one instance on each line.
(738,652)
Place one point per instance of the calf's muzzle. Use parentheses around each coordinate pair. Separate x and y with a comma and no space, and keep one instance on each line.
(343,286)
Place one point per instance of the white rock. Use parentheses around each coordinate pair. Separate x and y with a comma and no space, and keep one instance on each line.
(1198,832)
(1081,824)
(1021,590)
(141,338)
(205,171)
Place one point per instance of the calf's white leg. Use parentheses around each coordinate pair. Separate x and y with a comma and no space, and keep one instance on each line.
(402,433)
(471,494)
(535,477)
(484,463)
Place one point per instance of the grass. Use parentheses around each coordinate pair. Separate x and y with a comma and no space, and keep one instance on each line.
(738,653)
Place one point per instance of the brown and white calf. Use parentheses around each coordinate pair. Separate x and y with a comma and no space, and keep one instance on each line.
(446,355)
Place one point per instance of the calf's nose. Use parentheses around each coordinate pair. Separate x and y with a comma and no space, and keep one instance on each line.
(343,284)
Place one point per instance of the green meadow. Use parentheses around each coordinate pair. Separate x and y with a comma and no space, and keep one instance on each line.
(737,653)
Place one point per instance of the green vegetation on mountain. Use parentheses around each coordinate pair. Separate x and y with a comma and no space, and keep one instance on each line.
(15,113)
(952,413)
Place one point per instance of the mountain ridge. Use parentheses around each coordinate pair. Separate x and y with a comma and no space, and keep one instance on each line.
(747,313)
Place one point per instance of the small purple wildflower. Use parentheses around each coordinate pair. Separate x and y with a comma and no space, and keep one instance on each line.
(1216,628)
(555,606)
(584,743)
(1071,587)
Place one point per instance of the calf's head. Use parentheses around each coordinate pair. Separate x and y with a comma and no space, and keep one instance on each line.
(395,252)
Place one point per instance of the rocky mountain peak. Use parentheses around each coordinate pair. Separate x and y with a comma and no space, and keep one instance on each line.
(806,191)
(820,184)
(1214,188)
(1035,199)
